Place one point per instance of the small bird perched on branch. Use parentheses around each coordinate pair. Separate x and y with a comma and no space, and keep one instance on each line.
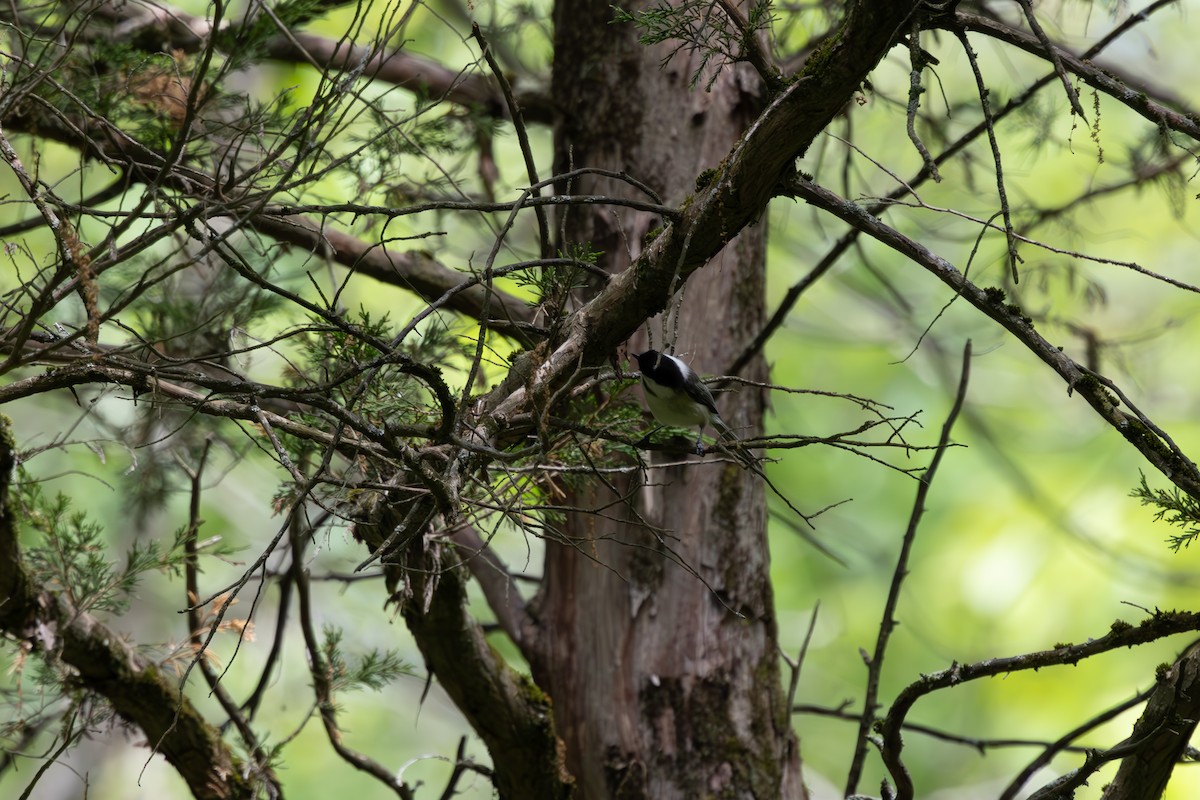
(677,396)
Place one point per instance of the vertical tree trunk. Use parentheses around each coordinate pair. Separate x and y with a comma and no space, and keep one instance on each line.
(661,650)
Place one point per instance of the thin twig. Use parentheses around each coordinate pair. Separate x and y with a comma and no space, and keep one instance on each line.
(196,623)
(888,621)
(795,666)
(1052,54)
(1063,743)
(985,105)
(1121,635)
(522,137)
(981,746)
(917,59)
(849,238)
(322,676)
(753,50)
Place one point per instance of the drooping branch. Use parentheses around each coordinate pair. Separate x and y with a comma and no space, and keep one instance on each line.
(1138,430)
(1134,97)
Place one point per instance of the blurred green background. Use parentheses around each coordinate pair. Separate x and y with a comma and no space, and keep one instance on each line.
(1030,537)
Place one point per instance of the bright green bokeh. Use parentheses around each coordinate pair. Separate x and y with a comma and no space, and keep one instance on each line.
(1029,538)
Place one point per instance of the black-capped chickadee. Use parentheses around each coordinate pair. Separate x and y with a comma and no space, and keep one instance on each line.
(676,395)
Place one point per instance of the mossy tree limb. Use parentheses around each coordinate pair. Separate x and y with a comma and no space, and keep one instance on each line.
(108,666)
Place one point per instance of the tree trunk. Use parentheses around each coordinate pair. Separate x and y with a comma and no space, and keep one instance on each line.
(660,643)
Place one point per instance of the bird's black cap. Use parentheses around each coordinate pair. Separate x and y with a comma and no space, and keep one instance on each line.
(662,370)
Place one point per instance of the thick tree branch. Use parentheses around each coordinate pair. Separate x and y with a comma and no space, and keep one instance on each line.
(734,196)
(138,690)
(1121,635)
(1162,733)
(415,271)
(164,28)
(430,77)
(927,171)
(508,711)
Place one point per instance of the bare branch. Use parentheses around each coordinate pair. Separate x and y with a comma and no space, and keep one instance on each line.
(1122,635)
(323,675)
(1052,54)
(927,172)
(888,621)
(1168,460)
(1162,733)
(408,70)
(1131,96)
(196,624)
(1064,743)
(1009,234)
(518,120)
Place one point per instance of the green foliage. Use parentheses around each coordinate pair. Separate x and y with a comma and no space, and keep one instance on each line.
(70,557)
(390,147)
(695,25)
(359,377)
(1176,508)
(246,43)
(374,670)
(199,308)
(554,285)
(353,368)
(141,93)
